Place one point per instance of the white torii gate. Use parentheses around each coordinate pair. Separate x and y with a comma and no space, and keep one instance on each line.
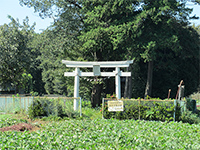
(97,72)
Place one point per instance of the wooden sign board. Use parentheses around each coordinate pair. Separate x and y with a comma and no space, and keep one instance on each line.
(115,105)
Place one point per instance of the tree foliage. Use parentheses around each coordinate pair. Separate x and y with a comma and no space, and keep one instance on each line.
(15,53)
(170,67)
(96,30)
(58,42)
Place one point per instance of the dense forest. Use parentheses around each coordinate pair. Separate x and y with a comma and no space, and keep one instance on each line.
(157,35)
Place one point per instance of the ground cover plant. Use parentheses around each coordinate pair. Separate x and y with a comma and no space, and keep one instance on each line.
(92,132)
(10,121)
(105,134)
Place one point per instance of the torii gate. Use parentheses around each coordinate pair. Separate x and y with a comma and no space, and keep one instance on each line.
(97,72)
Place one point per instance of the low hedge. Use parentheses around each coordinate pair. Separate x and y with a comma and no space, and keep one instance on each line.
(150,111)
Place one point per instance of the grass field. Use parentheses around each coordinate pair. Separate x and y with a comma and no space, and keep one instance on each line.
(101,134)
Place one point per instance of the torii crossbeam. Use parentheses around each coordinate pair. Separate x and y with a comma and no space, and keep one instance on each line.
(97,72)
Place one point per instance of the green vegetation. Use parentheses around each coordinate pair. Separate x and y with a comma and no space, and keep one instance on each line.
(3,116)
(4,122)
(102,31)
(45,107)
(17,58)
(105,134)
(99,30)
(91,132)
(195,96)
(49,108)
(157,111)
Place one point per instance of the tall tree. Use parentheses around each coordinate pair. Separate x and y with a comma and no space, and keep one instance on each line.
(72,17)
(108,33)
(157,18)
(111,30)
(15,53)
(172,66)
(58,42)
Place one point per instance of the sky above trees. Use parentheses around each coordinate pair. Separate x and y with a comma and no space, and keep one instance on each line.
(13,8)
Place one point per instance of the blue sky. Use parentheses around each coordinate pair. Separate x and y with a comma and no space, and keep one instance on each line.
(13,8)
(196,10)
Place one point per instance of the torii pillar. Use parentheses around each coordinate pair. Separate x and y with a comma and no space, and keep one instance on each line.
(97,72)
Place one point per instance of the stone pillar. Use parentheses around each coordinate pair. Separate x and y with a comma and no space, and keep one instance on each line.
(117,83)
(76,88)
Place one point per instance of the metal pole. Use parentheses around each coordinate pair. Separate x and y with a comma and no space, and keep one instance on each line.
(139,108)
(20,102)
(80,107)
(102,107)
(13,103)
(28,102)
(174,110)
(24,103)
(5,104)
(169,94)
(179,89)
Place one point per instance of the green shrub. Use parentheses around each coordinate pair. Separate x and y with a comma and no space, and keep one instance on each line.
(191,104)
(44,107)
(36,109)
(190,117)
(157,111)
(86,103)
(147,111)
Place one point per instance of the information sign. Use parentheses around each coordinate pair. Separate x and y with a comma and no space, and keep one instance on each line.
(116,105)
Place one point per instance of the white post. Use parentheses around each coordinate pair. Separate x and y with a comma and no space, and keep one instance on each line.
(76,88)
(117,83)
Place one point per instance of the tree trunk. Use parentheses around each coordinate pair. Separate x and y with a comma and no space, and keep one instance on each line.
(128,86)
(148,88)
(97,88)
(96,95)
(17,89)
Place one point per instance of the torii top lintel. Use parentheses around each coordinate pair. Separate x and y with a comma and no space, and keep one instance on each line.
(102,64)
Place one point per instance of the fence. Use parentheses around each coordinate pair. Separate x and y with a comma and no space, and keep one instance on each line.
(14,104)
(137,107)
(11,104)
